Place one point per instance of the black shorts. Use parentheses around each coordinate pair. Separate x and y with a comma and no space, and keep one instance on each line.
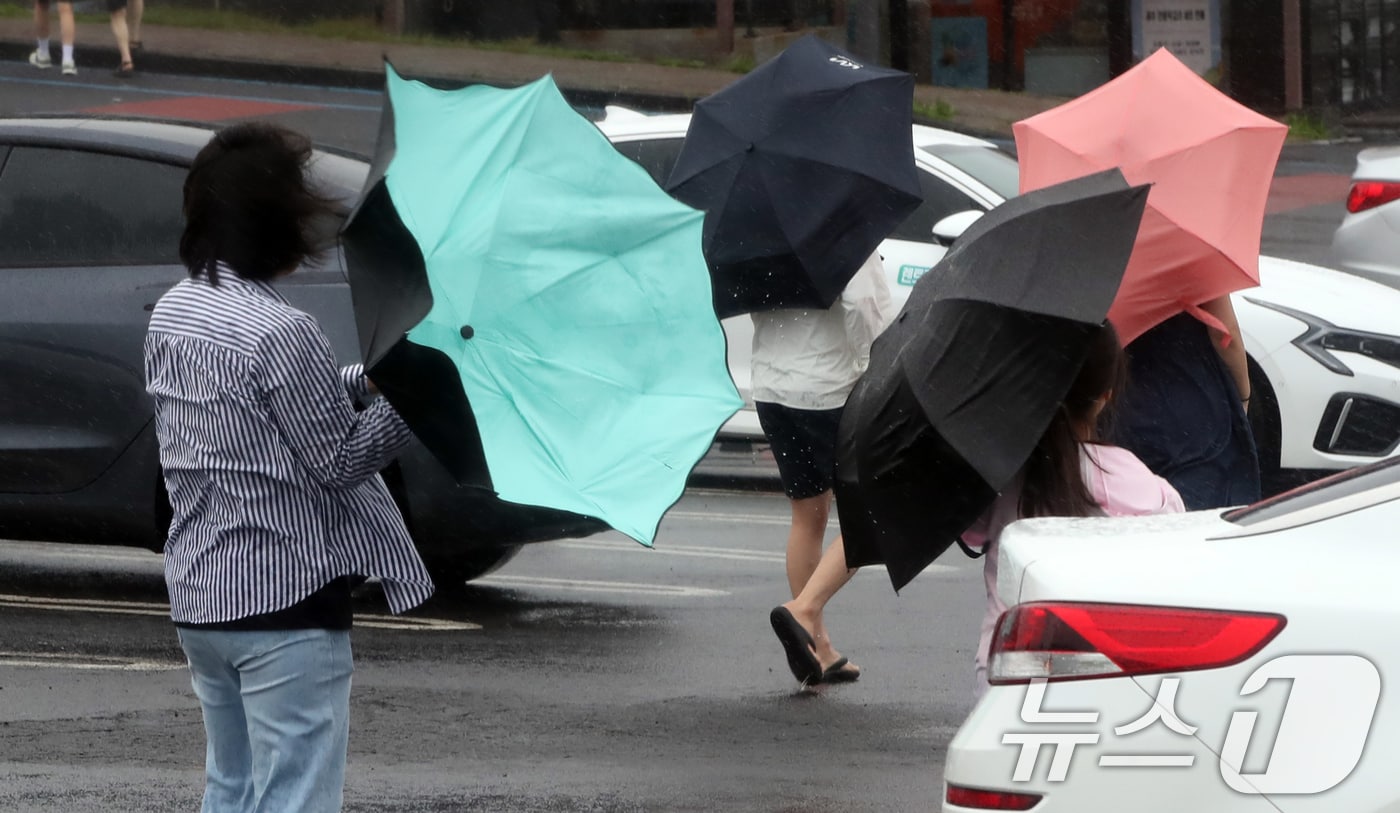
(116,5)
(804,446)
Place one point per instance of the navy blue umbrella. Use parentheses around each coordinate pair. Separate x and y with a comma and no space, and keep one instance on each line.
(802,167)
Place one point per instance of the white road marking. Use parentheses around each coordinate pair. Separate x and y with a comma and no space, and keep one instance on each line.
(587,586)
(160,610)
(48,660)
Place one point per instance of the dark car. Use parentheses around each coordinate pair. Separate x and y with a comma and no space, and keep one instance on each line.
(90,223)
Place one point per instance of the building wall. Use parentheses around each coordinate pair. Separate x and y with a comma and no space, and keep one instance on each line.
(1353,53)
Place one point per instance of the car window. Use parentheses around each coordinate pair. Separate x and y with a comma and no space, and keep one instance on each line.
(994,168)
(657,156)
(940,200)
(72,207)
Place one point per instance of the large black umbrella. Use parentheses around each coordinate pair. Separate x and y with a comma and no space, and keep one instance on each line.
(964,382)
(802,167)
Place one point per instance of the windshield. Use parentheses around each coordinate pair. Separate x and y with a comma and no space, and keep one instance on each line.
(994,168)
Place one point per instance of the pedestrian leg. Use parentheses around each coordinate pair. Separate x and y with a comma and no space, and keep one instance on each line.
(134,10)
(296,693)
(123,37)
(228,766)
(809,605)
(805,537)
(67,30)
(40,57)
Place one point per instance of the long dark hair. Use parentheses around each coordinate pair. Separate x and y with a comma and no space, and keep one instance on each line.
(1052,484)
(249,203)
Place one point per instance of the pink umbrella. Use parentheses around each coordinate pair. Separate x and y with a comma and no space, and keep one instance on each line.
(1210,161)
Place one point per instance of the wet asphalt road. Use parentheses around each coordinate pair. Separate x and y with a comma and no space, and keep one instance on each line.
(587,675)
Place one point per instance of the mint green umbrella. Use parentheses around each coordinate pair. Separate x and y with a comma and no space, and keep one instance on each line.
(565,293)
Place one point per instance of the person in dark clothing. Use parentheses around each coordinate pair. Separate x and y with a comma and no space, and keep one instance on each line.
(1184,413)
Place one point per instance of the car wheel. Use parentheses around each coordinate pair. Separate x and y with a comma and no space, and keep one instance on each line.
(453,571)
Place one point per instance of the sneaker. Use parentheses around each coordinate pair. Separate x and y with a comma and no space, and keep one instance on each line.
(39,60)
(70,69)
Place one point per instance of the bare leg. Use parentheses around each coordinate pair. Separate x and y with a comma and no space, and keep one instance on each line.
(134,10)
(123,36)
(829,577)
(66,27)
(804,548)
(41,20)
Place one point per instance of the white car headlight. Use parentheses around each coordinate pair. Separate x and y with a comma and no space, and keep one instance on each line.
(1322,336)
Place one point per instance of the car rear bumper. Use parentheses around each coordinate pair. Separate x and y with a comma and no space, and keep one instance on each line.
(996,740)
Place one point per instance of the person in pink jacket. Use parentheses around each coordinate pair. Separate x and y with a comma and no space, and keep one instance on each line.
(1071,473)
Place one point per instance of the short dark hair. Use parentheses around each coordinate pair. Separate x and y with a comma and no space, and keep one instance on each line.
(249,203)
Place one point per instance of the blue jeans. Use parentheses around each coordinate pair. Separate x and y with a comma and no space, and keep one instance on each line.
(276,718)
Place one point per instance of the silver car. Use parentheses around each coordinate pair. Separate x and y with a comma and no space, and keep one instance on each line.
(90,227)
(1367,243)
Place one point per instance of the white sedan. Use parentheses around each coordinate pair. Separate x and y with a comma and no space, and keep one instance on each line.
(1323,346)
(1212,661)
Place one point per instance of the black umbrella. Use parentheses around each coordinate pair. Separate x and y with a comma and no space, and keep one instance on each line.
(802,167)
(964,382)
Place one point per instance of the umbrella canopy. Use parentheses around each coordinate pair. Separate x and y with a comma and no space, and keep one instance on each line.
(962,385)
(535,306)
(802,167)
(1210,162)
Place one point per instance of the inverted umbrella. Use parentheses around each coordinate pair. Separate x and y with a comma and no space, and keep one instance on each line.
(963,383)
(802,167)
(535,306)
(1210,161)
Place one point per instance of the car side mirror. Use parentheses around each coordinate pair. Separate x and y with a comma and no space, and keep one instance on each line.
(951,227)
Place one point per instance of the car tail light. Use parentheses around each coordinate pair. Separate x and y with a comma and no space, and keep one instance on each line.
(990,799)
(1370,194)
(1055,641)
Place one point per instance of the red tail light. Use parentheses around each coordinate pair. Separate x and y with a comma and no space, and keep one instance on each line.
(1067,641)
(990,799)
(1370,194)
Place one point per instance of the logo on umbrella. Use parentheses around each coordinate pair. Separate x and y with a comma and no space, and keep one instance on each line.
(845,63)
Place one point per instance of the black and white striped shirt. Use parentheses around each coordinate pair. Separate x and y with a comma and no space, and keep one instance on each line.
(272,474)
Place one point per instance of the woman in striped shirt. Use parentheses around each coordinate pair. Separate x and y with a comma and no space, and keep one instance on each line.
(273,478)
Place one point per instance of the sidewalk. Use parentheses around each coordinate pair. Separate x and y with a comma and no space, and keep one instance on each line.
(295,58)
